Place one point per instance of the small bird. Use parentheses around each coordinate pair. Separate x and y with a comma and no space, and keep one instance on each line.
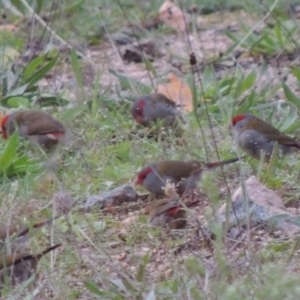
(17,268)
(254,135)
(168,213)
(19,235)
(150,108)
(37,126)
(184,174)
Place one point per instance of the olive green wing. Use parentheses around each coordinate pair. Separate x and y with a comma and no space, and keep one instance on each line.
(161,206)
(273,134)
(160,98)
(178,170)
(41,124)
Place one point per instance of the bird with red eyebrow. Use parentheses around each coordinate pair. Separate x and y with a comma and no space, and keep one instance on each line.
(38,127)
(254,135)
(151,108)
(184,174)
(169,213)
(18,267)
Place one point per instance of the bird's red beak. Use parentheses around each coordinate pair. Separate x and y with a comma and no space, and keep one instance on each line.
(3,122)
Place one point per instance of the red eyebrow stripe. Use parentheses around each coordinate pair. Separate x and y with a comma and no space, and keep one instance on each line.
(141,104)
(3,122)
(237,119)
(142,175)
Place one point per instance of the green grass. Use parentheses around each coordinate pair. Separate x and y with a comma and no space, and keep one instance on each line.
(107,149)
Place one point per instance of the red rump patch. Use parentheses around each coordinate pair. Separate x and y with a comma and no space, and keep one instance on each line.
(3,123)
(237,119)
(142,175)
(172,211)
(57,134)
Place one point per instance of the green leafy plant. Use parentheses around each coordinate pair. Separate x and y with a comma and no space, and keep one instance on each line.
(12,163)
(269,41)
(19,85)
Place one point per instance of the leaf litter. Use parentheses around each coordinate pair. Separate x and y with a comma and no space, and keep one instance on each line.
(126,254)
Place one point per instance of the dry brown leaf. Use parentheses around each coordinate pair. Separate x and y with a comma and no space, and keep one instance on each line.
(173,16)
(122,256)
(177,91)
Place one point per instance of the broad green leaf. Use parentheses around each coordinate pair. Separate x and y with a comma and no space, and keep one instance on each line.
(289,120)
(266,48)
(247,104)
(227,82)
(9,152)
(50,100)
(290,96)
(21,166)
(92,287)
(42,72)
(18,102)
(51,50)
(226,85)
(269,42)
(19,6)
(247,83)
(256,43)
(33,65)
(76,68)
(17,91)
(296,72)
(265,45)
(292,128)
(72,113)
